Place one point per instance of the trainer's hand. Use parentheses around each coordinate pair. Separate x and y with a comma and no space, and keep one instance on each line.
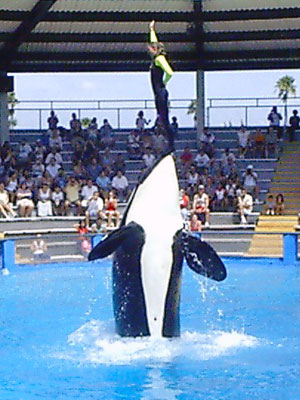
(152,24)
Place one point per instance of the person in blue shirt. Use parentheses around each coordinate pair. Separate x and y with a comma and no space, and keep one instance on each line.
(161,73)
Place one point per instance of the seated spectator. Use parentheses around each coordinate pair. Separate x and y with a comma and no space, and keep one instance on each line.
(148,158)
(120,185)
(259,144)
(201,161)
(52,121)
(228,168)
(89,152)
(294,125)
(193,179)
(279,206)
(5,206)
(245,205)
(104,183)
(61,179)
(53,168)
(111,210)
(186,159)
(226,156)
(72,192)
(37,169)
(54,154)
(44,204)
(220,198)
(201,206)
(107,160)
(174,126)
(93,169)
(39,151)
(58,201)
(47,179)
(78,152)
(76,135)
(270,205)
(140,122)
(184,202)
(24,155)
(79,171)
(84,241)
(106,136)
(55,140)
(243,141)
(96,226)
(39,249)
(87,192)
(250,182)
(11,186)
(92,130)
(24,201)
(231,192)
(207,142)
(195,224)
(119,164)
(134,145)
(159,142)
(275,117)
(271,143)
(94,209)
(45,140)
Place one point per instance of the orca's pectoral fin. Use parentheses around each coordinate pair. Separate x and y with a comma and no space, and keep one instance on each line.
(112,241)
(203,259)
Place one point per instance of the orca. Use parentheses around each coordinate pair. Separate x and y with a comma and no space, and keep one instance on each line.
(149,249)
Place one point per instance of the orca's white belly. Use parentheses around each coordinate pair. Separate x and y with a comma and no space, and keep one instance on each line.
(156,268)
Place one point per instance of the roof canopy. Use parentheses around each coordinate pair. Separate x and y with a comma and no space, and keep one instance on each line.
(110,35)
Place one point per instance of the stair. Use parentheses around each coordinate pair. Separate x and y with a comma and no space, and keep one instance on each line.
(271,245)
(287,178)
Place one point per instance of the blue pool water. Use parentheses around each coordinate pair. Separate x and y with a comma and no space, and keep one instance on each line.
(240,338)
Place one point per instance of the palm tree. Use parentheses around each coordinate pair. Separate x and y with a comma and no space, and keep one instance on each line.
(285,87)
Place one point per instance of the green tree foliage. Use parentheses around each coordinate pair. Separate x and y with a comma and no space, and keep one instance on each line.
(285,88)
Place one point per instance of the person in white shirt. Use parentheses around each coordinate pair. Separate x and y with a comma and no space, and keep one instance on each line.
(120,185)
(243,139)
(250,182)
(55,140)
(58,200)
(5,206)
(141,121)
(54,154)
(87,192)
(226,156)
(245,205)
(94,208)
(53,168)
(202,161)
(148,158)
(201,206)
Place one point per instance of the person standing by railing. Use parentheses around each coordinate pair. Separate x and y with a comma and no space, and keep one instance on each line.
(161,73)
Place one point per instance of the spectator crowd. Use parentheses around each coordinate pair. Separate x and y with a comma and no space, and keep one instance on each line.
(33,177)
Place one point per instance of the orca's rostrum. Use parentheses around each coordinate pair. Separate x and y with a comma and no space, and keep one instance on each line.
(149,249)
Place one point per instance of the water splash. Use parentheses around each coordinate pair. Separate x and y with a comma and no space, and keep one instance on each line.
(95,343)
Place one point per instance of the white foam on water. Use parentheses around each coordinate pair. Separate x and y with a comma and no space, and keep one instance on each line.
(94,342)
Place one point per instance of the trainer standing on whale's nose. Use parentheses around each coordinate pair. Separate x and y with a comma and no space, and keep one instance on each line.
(161,73)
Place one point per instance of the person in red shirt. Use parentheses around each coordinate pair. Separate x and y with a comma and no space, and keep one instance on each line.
(186,159)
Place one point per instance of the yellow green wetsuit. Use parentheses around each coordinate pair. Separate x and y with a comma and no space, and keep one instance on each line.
(161,72)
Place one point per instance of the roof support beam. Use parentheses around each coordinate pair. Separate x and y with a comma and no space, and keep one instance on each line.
(10,48)
(242,15)
(95,56)
(99,37)
(208,16)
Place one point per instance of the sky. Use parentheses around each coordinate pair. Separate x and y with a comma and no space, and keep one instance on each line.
(136,86)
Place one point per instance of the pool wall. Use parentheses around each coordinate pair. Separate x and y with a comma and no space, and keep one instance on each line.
(290,253)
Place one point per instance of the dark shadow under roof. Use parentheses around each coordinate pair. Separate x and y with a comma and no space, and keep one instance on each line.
(111,35)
